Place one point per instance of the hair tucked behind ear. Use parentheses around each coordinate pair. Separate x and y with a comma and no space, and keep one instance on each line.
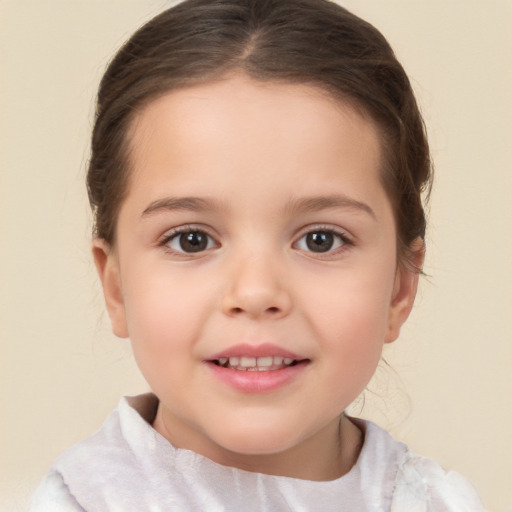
(306,41)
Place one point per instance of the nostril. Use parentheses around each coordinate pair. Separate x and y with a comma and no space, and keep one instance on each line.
(273,309)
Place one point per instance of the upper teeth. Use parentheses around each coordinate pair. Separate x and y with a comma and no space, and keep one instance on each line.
(255,363)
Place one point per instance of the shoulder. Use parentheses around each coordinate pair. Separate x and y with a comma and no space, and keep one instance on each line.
(409,482)
(125,435)
(104,467)
(423,480)
(52,495)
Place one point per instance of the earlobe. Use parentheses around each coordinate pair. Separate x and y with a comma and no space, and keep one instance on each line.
(404,292)
(107,265)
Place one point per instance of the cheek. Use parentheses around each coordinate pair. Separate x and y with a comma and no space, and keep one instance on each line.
(353,335)
(164,313)
(350,322)
(351,302)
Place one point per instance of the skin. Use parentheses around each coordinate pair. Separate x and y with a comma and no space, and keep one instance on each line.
(257,153)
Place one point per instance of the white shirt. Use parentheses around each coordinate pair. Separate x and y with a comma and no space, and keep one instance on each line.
(127,466)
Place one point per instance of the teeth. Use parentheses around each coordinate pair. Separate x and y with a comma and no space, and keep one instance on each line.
(264,361)
(248,362)
(254,364)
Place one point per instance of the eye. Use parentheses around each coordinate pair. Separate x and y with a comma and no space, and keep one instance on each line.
(190,241)
(321,241)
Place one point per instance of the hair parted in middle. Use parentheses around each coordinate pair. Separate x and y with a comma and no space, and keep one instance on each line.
(315,42)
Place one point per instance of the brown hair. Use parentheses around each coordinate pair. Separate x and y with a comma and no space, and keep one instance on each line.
(314,42)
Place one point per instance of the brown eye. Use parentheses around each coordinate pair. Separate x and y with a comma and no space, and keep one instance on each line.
(320,241)
(191,241)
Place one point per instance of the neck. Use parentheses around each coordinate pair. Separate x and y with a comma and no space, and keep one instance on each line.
(327,455)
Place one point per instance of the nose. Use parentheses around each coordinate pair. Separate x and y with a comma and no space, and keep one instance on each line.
(257,288)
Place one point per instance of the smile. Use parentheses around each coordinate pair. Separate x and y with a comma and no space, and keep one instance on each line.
(263,368)
(255,364)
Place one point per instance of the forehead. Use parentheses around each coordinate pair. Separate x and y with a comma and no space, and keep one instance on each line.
(238,127)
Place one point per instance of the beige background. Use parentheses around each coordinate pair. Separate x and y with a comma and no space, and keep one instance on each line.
(61,369)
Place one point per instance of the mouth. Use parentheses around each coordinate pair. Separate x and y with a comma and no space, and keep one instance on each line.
(256,364)
(257,368)
(262,368)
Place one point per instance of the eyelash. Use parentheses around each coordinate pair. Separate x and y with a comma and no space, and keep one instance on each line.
(176,232)
(344,240)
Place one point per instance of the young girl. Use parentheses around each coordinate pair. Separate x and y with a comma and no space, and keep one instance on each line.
(256,177)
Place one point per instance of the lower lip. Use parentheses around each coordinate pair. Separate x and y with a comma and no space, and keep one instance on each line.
(256,381)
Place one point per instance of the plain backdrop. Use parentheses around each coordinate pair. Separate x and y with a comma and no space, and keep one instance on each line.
(449,392)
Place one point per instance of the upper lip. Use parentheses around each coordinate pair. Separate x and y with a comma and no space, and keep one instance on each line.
(260,350)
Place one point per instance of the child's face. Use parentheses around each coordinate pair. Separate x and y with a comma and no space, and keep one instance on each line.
(255,225)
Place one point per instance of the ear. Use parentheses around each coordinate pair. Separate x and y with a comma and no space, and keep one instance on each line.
(404,290)
(107,265)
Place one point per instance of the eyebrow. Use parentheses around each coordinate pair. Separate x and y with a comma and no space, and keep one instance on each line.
(317,203)
(305,204)
(193,204)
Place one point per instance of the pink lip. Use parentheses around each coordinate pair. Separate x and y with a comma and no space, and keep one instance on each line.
(256,381)
(262,350)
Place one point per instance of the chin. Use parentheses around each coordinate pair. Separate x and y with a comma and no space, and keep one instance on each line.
(257,446)
(257,439)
